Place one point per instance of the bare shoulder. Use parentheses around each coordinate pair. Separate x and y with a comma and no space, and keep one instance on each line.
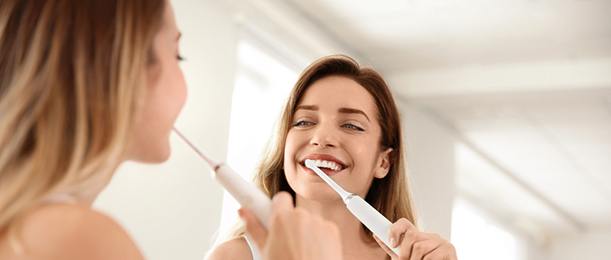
(236,248)
(75,232)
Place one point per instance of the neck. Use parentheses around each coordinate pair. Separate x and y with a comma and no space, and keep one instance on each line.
(353,237)
(86,193)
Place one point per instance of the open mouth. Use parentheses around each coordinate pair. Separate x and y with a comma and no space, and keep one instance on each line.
(330,167)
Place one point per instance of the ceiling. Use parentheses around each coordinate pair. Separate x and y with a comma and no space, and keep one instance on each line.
(524,85)
(403,34)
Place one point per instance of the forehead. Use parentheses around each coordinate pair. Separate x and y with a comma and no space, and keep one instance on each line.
(336,91)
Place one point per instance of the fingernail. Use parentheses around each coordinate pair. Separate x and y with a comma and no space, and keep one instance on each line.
(392,241)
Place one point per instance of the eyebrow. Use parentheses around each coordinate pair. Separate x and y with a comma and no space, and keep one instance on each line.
(347,110)
(343,110)
(304,107)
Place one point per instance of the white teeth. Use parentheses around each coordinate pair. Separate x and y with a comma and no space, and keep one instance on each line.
(327,164)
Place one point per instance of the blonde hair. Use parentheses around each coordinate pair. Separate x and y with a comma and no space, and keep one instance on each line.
(72,72)
(389,195)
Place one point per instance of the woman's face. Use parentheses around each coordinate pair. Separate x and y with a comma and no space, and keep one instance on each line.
(164,98)
(336,123)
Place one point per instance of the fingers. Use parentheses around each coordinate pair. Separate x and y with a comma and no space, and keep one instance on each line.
(398,229)
(411,238)
(283,201)
(443,252)
(422,248)
(296,234)
(285,234)
(385,248)
(254,228)
(283,212)
(282,204)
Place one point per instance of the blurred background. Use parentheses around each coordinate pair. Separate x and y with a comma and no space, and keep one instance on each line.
(506,107)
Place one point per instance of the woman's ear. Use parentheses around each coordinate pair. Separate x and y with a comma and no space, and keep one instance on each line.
(383,164)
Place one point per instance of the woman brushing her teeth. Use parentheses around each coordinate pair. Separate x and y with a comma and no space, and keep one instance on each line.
(344,118)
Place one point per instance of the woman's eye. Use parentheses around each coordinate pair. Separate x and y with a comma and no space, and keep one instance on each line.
(353,127)
(303,123)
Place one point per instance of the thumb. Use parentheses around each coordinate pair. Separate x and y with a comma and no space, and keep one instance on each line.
(254,228)
(282,201)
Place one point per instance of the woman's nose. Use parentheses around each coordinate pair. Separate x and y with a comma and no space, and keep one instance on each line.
(324,136)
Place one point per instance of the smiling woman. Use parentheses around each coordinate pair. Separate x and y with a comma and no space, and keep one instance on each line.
(344,117)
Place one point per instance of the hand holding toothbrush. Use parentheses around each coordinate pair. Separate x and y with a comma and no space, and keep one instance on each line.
(294,234)
(416,245)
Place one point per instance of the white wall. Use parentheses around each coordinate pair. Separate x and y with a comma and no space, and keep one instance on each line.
(593,245)
(172,210)
(430,160)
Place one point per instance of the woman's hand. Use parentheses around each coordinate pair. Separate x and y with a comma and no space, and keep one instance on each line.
(416,245)
(294,234)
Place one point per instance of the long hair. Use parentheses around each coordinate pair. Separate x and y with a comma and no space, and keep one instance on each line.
(71,72)
(389,195)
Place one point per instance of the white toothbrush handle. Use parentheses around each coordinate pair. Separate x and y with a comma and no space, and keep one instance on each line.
(248,195)
(371,218)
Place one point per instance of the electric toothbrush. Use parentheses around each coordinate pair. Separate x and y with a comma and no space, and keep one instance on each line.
(248,195)
(365,213)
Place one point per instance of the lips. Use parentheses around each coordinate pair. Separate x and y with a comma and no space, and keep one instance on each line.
(327,163)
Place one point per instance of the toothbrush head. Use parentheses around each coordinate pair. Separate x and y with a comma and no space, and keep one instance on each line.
(340,191)
(309,163)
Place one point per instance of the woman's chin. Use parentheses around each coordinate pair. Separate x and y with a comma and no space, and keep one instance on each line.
(319,192)
(161,156)
(152,156)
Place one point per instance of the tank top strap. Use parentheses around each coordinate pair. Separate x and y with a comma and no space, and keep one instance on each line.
(253,248)
(59,198)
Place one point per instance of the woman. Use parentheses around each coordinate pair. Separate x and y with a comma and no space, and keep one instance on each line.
(343,116)
(86,85)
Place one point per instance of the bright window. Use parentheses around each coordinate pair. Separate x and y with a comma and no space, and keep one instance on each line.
(477,236)
(263,83)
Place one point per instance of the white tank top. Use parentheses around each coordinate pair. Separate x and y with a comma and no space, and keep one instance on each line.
(253,248)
